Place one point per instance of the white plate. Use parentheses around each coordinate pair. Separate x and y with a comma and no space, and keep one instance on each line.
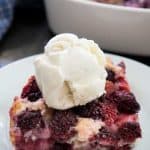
(14,76)
(116,28)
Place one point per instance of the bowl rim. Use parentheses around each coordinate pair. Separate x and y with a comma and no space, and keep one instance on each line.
(111,6)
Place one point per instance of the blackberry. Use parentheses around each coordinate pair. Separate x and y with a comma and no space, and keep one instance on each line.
(61,124)
(31,90)
(129,131)
(30,120)
(90,110)
(125,101)
(62,146)
(110,75)
(105,135)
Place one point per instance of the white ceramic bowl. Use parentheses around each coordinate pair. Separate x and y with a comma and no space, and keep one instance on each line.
(115,28)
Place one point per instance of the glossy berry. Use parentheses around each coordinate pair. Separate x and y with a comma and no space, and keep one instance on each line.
(31,90)
(30,120)
(129,131)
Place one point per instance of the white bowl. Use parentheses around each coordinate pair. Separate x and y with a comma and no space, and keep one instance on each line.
(116,28)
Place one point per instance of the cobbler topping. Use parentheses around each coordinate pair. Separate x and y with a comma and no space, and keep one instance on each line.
(61,124)
(31,90)
(129,131)
(30,120)
(87,127)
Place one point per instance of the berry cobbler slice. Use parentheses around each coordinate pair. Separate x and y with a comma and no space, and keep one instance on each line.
(109,122)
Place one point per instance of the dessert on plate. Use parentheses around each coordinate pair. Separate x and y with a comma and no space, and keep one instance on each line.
(77,100)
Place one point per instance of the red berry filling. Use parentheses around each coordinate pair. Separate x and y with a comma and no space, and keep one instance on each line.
(62,146)
(110,75)
(109,113)
(128,103)
(125,147)
(107,137)
(31,90)
(104,137)
(125,101)
(61,124)
(110,87)
(129,131)
(34,145)
(90,110)
(122,84)
(30,120)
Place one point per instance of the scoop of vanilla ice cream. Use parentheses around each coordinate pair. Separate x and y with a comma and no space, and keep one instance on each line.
(71,72)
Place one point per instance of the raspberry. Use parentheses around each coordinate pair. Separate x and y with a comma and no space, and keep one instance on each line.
(125,101)
(30,120)
(109,113)
(129,131)
(128,103)
(90,110)
(61,124)
(128,106)
(31,90)
(110,75)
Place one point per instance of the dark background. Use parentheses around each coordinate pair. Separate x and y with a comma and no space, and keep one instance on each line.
(29,33)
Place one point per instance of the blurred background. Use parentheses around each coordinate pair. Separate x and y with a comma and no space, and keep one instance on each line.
(24,30)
